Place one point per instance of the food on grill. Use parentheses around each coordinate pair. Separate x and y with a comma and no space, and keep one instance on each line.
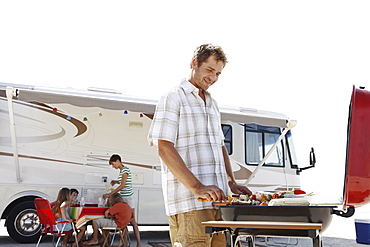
(275,198)
(289,202)
(299,192)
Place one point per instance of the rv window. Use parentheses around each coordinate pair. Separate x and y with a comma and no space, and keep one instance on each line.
(227,130)
(291,150)
(258,141)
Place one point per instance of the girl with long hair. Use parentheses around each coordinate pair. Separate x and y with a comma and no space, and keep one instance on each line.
(61,213)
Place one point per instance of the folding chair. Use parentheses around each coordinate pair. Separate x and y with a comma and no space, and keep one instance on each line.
(123,234)
(48,221)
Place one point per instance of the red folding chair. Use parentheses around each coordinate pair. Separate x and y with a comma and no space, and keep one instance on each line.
(48,221)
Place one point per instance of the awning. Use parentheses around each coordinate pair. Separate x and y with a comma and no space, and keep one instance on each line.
(117,101)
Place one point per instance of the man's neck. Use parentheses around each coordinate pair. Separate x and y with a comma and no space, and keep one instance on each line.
(202,95)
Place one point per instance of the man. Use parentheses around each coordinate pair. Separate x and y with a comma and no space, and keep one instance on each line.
(196,168)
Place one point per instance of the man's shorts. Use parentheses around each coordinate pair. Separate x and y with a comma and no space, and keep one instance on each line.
(186,230)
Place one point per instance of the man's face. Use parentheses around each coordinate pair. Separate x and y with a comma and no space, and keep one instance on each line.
(207,73)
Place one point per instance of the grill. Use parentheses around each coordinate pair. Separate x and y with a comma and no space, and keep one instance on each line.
(356,190)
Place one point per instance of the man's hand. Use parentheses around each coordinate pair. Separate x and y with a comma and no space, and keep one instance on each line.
(210,193)
(234,187)
(239,189)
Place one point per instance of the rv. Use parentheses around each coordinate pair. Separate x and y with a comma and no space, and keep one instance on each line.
(52,138)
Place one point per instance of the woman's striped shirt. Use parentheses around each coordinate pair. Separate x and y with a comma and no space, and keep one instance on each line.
(127,190)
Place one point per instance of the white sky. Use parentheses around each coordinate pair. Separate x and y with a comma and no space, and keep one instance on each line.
(300,58)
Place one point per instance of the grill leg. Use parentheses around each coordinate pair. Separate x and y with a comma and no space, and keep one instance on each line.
(250,241)
(317,242)
(316,239)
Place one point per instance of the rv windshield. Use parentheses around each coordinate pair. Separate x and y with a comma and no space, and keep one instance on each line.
(258,141)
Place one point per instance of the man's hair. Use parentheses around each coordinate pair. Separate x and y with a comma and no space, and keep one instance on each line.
(114,158)
(203,52)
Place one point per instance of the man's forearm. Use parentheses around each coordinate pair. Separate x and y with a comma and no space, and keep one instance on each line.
(228,168)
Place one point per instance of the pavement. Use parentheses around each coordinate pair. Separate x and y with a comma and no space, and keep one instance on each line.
(162,238)
(305,242)
(146,237)
(341,233)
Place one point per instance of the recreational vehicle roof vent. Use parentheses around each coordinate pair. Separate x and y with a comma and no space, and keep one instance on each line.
(103,90)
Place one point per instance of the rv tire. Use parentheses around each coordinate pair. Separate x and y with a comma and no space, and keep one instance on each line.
(23,223)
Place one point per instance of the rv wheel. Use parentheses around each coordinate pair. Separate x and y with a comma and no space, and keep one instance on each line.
(23,223)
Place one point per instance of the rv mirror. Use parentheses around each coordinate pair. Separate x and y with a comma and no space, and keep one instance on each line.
(312,157)
(312,162)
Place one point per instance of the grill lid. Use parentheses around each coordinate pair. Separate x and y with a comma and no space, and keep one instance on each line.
(357,176)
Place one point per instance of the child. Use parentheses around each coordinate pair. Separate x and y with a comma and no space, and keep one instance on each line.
(125,189)
(82,229)
(122,215)
(74,195)
(61,213)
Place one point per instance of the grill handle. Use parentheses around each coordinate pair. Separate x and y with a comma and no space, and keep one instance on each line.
(349,212)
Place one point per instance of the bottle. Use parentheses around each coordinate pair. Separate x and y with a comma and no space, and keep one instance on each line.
(100,202)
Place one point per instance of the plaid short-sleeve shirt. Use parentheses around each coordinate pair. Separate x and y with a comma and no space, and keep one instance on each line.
(194,127)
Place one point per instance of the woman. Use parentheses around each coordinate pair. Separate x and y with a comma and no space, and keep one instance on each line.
(125,189)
